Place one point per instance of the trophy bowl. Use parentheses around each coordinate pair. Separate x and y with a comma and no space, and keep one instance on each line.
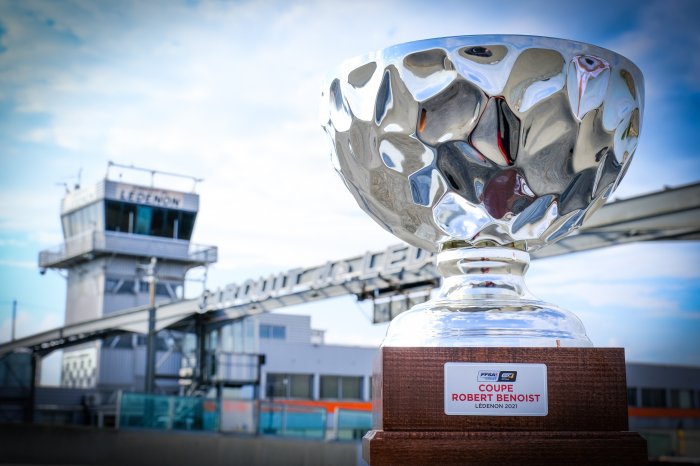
(482,148)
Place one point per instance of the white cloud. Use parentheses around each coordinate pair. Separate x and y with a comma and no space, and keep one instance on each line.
(18,264)
(630,262)
(27,323)
(30,210)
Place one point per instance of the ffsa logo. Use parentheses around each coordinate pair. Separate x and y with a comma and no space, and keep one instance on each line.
(487,376)
(496,376)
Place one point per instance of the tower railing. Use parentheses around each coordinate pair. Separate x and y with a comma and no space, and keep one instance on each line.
(92,243)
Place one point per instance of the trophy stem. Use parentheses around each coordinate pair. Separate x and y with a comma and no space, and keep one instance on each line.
(483,273)
(483,301)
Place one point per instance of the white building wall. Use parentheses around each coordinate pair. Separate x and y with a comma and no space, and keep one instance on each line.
(298,327)
(299,353)
(299,358)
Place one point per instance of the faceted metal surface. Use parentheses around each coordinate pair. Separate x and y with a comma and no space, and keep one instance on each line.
(483,139)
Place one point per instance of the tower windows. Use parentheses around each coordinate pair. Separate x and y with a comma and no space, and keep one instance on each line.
(148,220)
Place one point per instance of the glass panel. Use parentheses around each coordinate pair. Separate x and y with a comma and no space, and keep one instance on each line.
(168,412)
(144,215)
(292,421)
(300,386)
(117,216)
(278,332)
(185,224)
(162,344)
(329,387)
(148,220)
(99,216)
(226,340)
(654,397)
(276,386)
(682,398)
(237,329)
(660,443)
(119,341)
(159,222)
(212,341)
(127,287)
(249,345)
(353,425)
(351,388)
(111,285)
(171,217)
(82,220)
(632,396)
(162,290)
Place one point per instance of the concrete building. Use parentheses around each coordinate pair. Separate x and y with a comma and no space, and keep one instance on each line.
(663,397)
(298,363)
(125,245)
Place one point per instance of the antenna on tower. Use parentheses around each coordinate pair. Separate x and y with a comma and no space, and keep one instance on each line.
(153,173)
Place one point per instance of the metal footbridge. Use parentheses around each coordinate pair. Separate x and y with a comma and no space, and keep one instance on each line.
(399,270)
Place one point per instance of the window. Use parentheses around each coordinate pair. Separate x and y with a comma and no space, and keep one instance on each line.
(330,387)
(127,287)
(682,398)
(289,386)
(341,388)
(237,331)
(119,216)
(161,343)
(249,340)
(275,332)
(147,220)
(82,220)
(144,220)
(237,337)
(161,289)
(654,397)
(118,341)
(111,285)
(631,396)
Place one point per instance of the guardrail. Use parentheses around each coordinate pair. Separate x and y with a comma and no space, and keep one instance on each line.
(88,244)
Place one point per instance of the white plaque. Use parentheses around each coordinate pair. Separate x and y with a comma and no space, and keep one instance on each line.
(486,389)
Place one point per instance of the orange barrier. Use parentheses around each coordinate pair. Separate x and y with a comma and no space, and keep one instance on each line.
(330,406)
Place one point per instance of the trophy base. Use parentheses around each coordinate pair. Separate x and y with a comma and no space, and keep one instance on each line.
(584,420)
(499,448)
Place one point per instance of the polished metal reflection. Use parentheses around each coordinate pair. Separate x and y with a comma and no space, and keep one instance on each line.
(482,141)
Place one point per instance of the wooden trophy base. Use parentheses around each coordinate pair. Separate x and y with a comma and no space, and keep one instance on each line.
(585,422)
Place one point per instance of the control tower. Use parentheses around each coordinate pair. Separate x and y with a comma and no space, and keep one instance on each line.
(113,231)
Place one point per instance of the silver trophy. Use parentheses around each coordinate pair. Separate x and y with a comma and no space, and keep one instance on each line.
(482,148)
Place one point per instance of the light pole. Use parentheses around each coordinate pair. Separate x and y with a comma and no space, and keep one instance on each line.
(150,278)
(14,319)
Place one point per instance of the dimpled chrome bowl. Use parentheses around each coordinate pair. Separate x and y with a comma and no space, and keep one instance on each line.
(483,139)
(482,148)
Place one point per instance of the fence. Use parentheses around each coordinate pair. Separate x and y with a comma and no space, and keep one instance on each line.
(672,443)
(292,421)
(167,412)
(162,412)
(352,424)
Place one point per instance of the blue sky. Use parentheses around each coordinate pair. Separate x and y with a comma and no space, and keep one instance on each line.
(228,91)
